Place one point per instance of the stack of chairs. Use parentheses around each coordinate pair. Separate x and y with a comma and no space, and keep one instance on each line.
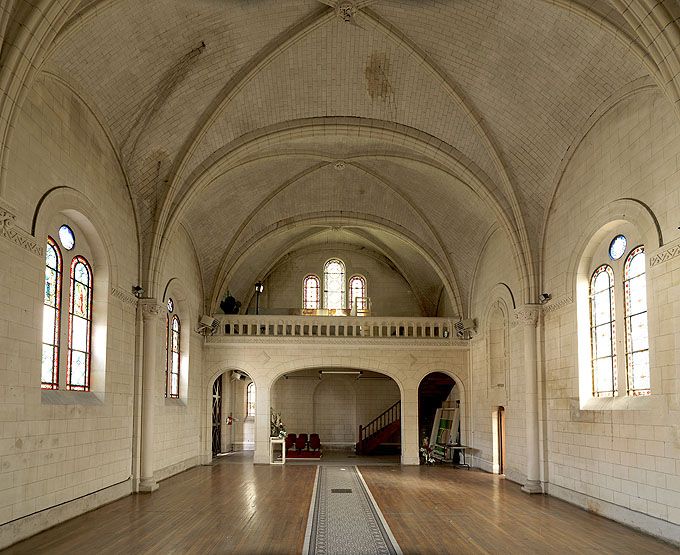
(303,446)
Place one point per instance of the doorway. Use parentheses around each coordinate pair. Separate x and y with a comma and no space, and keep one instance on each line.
(438,414)
(217,417)
(501,440)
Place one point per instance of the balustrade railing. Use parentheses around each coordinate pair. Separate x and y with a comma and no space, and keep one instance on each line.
(241,326)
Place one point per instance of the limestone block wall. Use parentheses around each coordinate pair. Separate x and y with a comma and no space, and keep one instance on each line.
(497,287)
(177,421)
(64,446)
(623,461)
(390,293)
(333,406)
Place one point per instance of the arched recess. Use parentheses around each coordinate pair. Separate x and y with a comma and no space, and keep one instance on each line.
(496,325)
(75,206)
(605,222)
(177,291)
(457,398)
(439,412)
(235,432)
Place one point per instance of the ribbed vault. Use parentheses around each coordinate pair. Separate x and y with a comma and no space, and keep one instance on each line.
(449,117)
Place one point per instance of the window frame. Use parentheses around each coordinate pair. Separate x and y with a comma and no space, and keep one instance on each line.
(308,278)
(79,259)
(596,255)
(603,269)
(364,291)
(639,250)
(343,285)
(56,333)
(175,349)
(250,404)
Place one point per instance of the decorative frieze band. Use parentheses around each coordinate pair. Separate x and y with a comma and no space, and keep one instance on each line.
(9,231)
(665,254)
(558,304)
(127,298)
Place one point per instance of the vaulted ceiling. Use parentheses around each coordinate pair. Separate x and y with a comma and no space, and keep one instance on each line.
(428,124)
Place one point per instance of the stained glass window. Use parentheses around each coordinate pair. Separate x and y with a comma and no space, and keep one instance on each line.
(173,379)
(250,399)
(67,237)
(603,332)
(167,353)
(311,290)
(80,326)
(357,292)
(171,305)
(51,316)
(334,284)
(617,247)
(637,340)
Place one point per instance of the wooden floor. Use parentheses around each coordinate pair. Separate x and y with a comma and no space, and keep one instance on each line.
(235,507)
(444,510)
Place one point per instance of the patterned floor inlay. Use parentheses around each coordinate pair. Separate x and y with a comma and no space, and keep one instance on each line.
(344,517)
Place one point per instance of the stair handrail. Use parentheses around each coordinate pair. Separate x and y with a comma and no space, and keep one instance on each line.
(388,416)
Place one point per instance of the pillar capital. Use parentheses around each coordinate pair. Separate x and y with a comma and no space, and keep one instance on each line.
(527,315)
(150,308)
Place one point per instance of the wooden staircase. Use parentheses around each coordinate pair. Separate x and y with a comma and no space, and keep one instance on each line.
(381,429)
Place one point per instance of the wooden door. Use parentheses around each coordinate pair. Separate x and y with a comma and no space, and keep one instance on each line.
(217,416)
(501,440)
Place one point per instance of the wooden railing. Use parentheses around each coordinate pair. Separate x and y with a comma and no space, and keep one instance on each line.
(378,424)
(241,326)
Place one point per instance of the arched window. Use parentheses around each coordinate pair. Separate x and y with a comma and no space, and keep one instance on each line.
(51,316)
(80,326)
(357,293)
(250,399)
(334,284)
(637,340)
(603,332)
(311,290)
(174,362)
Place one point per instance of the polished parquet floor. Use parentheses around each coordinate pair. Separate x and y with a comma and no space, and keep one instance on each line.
(236,507)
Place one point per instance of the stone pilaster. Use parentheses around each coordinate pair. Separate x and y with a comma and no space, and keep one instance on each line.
(527,317)
(150,312)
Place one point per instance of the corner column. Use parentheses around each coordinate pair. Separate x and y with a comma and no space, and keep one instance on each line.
(527,317)
(150,311)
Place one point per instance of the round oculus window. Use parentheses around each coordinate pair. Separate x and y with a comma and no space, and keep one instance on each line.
(617,247)
(66,237)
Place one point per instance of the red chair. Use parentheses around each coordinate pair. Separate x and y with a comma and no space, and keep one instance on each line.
(314,442)
(303,436)
(290,441)
(301,442)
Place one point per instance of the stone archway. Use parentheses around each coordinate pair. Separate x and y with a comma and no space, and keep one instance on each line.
(334,402)
(226,401)
(439,402)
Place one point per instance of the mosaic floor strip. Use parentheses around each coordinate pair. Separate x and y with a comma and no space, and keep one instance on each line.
(344,517)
